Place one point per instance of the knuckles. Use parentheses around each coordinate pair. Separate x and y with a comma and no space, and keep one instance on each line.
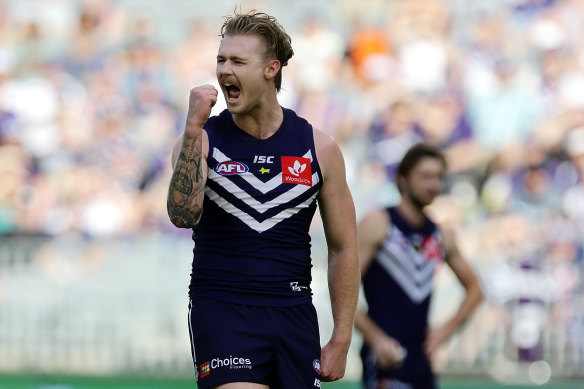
(205,94)
(203,90)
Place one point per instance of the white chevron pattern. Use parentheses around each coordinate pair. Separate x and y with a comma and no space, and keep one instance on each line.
(249,220)
(409,268)
(263,187)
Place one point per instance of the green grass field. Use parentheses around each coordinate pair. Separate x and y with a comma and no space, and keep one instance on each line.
(51,382)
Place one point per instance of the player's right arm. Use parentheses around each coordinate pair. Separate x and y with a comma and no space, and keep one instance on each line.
(186,191)
(371,232)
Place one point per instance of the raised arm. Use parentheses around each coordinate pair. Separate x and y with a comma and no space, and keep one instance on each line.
(472,297)
(338,215)
(186,192)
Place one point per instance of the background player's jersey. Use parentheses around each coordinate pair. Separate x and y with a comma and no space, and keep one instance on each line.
(398,286)
(252,244)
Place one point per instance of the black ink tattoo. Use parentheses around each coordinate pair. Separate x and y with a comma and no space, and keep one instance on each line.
(198,173)
(181,181)
(184,217)
(185,197)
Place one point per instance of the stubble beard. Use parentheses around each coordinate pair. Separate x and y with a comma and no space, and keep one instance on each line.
(417,203)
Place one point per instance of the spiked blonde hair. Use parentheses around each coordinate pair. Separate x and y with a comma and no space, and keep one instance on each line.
(278,42)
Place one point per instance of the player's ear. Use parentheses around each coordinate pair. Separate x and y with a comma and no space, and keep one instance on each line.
(400,182)
(271,69)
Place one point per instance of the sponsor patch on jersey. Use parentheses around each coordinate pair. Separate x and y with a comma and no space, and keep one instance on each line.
(230,168)
(432,248)
(296,170)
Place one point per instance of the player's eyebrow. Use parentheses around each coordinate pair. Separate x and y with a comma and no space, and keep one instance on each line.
(232,57)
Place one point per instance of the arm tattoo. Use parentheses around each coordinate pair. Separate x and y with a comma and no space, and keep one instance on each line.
(185,196)
(181,181)
(183,217)
(198,173)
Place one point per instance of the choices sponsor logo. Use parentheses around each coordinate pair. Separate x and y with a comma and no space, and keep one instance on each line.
(229,168)
(231,363)
(205,369)
(296,170)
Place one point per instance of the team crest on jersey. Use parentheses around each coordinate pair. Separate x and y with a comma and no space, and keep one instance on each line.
(296,170)
(316,365)
(230,168)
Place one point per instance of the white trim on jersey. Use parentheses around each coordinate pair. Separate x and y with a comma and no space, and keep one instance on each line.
(191,336)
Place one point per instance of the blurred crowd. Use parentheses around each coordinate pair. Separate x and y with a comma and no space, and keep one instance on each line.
(91,101)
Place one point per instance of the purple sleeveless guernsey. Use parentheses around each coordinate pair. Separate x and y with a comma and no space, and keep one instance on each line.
(398,287)
(252,244)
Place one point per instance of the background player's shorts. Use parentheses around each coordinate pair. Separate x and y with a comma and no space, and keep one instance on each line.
(374,378)
(274,346)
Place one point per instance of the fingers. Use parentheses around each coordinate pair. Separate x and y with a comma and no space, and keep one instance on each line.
(207,88)
(205,92)
(430,346)
(389,354)
(333,362)
(331,372)
(436,337)
(389,362)
(201,99)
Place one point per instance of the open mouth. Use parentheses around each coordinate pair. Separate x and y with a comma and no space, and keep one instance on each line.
(233,92)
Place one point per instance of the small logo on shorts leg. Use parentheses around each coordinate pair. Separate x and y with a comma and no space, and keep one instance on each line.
(205,369)
(296,287)
(316,365)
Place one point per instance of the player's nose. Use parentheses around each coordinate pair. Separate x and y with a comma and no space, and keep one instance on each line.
(225,68)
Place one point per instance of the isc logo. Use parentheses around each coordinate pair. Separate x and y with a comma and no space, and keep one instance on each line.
(263,159)
(230,168)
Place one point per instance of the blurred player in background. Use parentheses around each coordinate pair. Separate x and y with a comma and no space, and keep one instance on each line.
(247,181)
(400,248)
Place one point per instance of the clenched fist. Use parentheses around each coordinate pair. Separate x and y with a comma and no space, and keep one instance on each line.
(201,100)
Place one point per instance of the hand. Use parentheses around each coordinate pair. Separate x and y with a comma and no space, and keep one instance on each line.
(389,354)
(333,360)
(436,336)
(201,100)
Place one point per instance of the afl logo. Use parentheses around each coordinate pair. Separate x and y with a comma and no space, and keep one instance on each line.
(316,365)
(230,168)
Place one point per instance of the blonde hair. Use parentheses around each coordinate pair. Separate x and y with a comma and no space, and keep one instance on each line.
(278,42)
